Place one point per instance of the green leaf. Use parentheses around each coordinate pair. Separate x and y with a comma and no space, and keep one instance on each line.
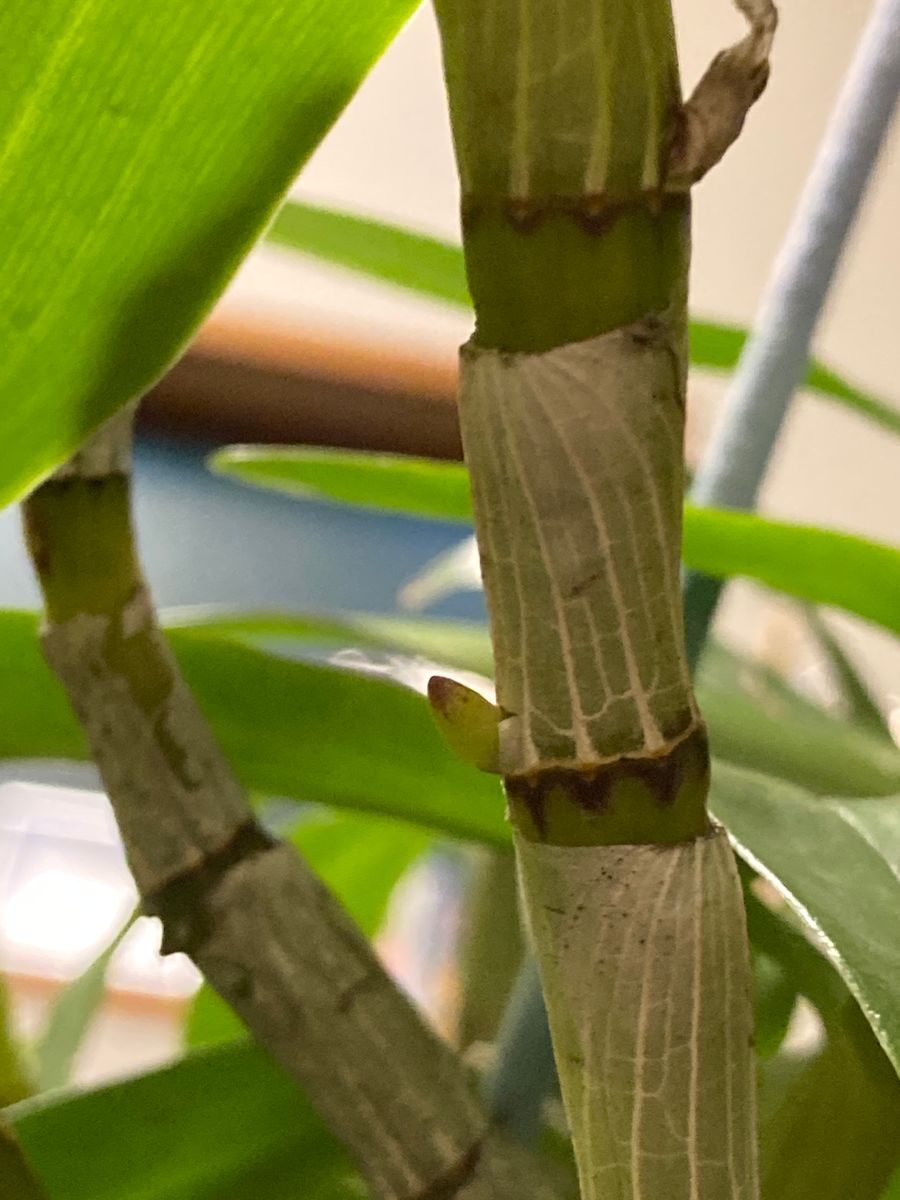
(774,999)
(753,716)
(837,862)
(834,1135)
(220,1125)
(820,565)
(291,729)
(71,1016)
(361,859)
(755,719)
(858,701)
(418,487)
(143,148)
(397,256)
(435,268)
(318,734)
(17,1179)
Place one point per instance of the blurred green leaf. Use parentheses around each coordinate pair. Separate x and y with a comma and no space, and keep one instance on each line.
(837,862)
(753,716)
(858,701)
(291,729)
(756,720)
(774,999)
(422,264)
(17,1179)
(818,565)
(360,859)
(71,1015)
(418,487)
(143,148)
(834,1135)
(225,1124)
(435,268)
(462,644)
(356,742)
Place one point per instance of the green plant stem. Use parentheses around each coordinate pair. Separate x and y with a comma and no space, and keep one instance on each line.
(264,931)
(576,159)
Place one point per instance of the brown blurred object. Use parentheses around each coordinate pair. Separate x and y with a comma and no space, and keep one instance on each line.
(246,382)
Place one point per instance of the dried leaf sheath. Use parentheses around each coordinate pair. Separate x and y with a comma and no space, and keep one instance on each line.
(264,931)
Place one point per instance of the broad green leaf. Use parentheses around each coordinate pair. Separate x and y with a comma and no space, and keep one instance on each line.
(324,735)
(290,729)
(435,268)
(753,716)
(361,859)
(837,862)
(820,565)
(418,487)
(71,1016)
(143,148)
(318,734)
(225,1124)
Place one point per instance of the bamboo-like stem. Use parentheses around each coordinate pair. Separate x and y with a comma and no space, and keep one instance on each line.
(576,159)
(774,360)
(263,930)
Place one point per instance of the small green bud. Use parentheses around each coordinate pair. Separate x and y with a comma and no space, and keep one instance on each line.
(467,722)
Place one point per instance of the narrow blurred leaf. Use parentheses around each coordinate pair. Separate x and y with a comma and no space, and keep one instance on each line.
(361,859)
(143,147)
(435,268)
(225,1124)
(462,644)
(837,862)
(457,569)
(318,734)
(71,1016)
(398,256)
(418,487)
(858,701)
(820,565)
(755,719)
(752,714)
(325,735)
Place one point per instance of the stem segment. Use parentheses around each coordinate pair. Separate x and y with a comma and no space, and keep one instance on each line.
(576,160)
(264,931)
